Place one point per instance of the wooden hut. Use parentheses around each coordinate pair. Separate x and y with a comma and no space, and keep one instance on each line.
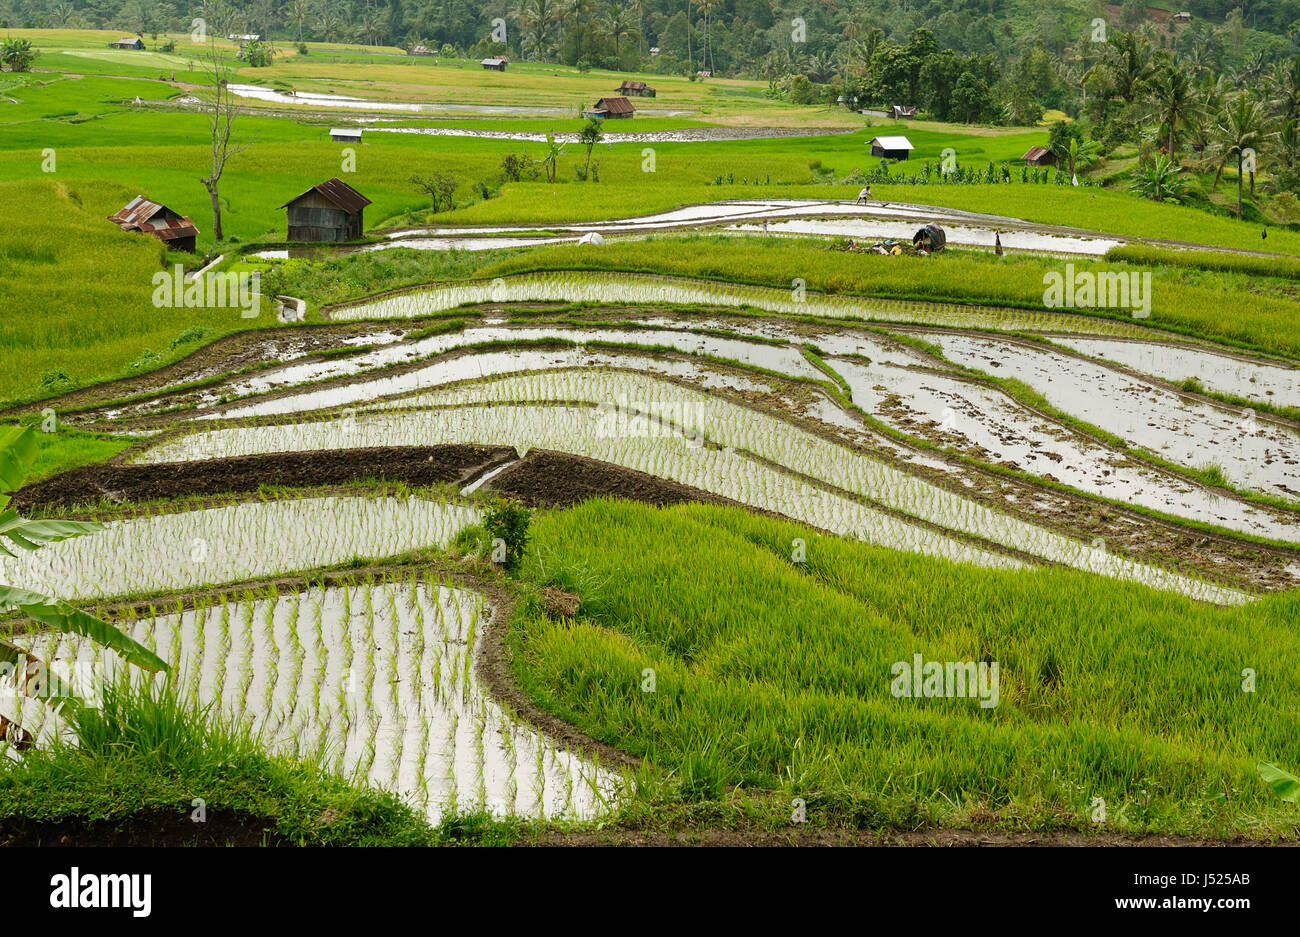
(891,147)
(130,42)
(331,211)
(172,228)
(611,107)
(345,134)
(899,111)
(636,89)
(496,64)
(1039,156)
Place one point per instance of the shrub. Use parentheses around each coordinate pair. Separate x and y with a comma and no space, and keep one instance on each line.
(514,166)
(507,521)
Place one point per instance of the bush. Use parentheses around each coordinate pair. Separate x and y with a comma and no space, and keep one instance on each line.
(507,523)
(514,166)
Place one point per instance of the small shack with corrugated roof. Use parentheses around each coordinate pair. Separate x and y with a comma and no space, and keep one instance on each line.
(899,111)
(496,63)
(331,211)
(345,134)
(130,42)
(172,228)
(636,89)
(611,107)
(1039,156)
(891,147)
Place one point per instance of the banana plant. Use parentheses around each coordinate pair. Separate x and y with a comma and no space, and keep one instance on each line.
(18,448)
(1283,784)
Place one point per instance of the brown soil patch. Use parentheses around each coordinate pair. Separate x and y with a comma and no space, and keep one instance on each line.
(152,828)
(554,479)
(416,466)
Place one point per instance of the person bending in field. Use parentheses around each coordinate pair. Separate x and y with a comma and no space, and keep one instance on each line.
(864,194)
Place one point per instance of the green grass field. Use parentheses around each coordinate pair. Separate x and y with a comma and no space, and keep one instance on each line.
(1106,690)
(768,644)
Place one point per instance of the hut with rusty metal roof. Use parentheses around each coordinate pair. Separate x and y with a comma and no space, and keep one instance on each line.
(330,211)
(636,89)
(1039,156)
(172,228)
(611,107)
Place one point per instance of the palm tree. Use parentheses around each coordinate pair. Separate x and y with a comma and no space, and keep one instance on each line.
(540,19)
(1285,154)
(61,13)
(1207,102)
(1284,85)
(619,24)
(708,6)
(372,24)
(821,67)
(328,22)
(298,12)
(1171,94)
(1239,127)
(578,16)
(1128,63)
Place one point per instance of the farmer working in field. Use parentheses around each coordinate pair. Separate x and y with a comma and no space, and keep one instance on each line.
(864,194)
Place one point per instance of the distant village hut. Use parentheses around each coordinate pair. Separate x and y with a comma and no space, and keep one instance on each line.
(496,64)
(891,147)
(130,42)
(899,111)
(170,227)
(636,89)
(331,211)
(345,134)
(421,50)
(1039,156)
(611,107)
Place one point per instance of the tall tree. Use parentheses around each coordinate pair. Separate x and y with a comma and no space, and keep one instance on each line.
(1170,91)
(1240,127)
(221,121)
(539,19)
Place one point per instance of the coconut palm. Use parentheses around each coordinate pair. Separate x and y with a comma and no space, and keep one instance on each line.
(328,22)
(1284,154)
(540,20)
(708,6)
(1241,126)
(372,24)
(1207,101)
(1170,91)
(299,11)
(1129,63)
(1284,89)
(821,67)
(619,25)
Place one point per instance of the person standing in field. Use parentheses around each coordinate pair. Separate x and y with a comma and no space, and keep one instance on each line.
(864,194)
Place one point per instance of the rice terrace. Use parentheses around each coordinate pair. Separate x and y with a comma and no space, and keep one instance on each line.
(668,423)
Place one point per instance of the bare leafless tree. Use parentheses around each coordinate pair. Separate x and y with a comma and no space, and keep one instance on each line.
(221,112)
